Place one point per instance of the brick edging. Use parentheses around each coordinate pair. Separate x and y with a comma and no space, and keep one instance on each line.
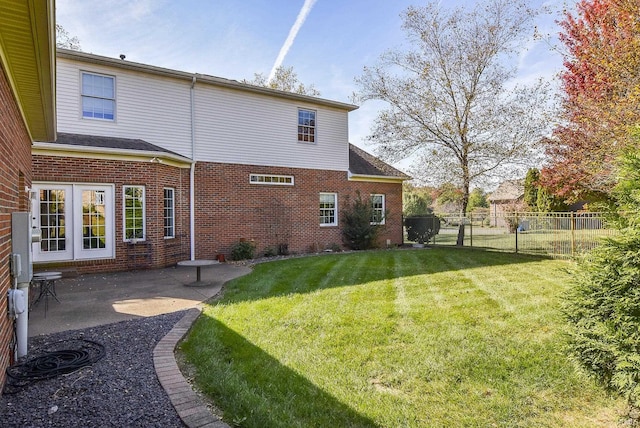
(190,408)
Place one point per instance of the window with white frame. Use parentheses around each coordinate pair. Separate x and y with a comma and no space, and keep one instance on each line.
(328,209)
(377,209)
(306,126)
(169,213)
(98,96)
(282,180)
(134,213)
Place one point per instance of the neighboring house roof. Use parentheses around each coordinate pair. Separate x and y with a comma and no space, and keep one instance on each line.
(364,166)
(199,78)
(27,55)
(508,191)
(92,144)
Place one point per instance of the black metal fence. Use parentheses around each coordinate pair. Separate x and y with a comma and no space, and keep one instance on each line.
(561,235)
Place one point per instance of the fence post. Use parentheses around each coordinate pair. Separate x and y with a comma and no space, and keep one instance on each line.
(516,240)
(573,236)
(471,230)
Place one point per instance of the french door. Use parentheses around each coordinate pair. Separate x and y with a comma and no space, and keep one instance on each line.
(76,221)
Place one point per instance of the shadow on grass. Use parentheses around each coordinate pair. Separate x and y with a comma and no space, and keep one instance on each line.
(309,274)
(246,382)
(259,390)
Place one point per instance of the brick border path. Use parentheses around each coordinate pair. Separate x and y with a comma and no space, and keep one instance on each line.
(190,408)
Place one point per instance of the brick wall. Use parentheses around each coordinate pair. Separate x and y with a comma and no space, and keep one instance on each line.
(156,251)
(229,208)
(15,170)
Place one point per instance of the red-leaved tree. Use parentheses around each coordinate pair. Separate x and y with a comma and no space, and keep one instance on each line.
(601,86)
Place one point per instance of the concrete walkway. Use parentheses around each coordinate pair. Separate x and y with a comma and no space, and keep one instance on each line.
(91,300)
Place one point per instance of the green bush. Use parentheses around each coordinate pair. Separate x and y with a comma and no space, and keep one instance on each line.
(242,250)
(421,229)
(603,311)
(603,308)
(358,232)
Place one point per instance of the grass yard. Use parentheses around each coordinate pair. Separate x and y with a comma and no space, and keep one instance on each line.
(404,338)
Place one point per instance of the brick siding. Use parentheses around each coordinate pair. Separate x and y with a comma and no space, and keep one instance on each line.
(156,251)
(15,170)
(230,209)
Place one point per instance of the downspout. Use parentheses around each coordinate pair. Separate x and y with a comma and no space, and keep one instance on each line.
(192,180)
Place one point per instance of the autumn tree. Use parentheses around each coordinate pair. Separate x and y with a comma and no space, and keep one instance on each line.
(601,89)
(284,79)
(450,99)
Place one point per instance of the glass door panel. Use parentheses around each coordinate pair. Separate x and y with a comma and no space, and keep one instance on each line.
(52,214)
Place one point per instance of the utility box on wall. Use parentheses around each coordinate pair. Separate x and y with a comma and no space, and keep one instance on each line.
(21,239)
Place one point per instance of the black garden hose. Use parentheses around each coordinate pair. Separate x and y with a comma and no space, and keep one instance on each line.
(54,363)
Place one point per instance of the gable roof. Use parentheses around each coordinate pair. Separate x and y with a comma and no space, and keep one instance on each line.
(510,190)
(87,145)
(364,166)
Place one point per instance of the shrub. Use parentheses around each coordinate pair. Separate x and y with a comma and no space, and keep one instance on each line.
(603,308)
(358,232)
(242,250)
(603,311)
(422,229)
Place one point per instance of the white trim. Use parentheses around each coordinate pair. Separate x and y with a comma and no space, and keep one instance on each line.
(384,206)
(335,214)
(144,213)
(173,212)
(82,95)
(74,249)
(271,176)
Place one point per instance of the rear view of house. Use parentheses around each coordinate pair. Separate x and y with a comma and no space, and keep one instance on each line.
(152,166)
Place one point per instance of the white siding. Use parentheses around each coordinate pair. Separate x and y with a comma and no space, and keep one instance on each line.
(148,107)
(232,126)
(237,127)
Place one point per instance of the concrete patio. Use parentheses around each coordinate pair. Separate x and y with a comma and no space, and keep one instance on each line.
(95,299)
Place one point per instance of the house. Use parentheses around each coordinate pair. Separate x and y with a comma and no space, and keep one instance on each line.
(508,197)
(152,166)
(27,112)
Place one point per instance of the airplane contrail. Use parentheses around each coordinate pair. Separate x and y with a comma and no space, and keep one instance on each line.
(306,8)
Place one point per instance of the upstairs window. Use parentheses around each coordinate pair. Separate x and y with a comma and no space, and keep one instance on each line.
(98,96)
(377,209)
(306,126)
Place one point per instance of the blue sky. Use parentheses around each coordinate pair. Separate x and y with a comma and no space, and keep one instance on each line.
(235,39)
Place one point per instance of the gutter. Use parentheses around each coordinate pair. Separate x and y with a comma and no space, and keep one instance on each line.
(192,174)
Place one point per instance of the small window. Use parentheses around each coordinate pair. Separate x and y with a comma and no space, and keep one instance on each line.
(98,96)
(377,209)
(169,213)
(306,126)
(134,215)
(328,209)
(279,180)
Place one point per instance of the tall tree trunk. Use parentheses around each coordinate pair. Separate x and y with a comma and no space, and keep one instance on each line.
(463,210)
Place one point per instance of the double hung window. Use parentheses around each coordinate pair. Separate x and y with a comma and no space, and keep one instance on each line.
(377,209)
(98,96)
(328,209)
(306,126)
(134,213)
(169,213)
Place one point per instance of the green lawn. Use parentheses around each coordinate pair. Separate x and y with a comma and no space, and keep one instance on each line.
(405,338)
